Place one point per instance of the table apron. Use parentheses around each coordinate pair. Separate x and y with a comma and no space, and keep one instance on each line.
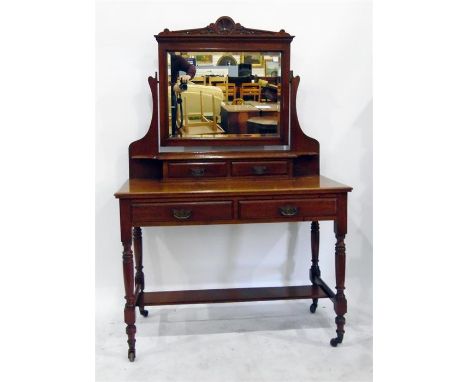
(167,212)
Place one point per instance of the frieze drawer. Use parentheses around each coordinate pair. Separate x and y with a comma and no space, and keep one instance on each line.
(287,208)
(181,212)
(260,168)
(196,169)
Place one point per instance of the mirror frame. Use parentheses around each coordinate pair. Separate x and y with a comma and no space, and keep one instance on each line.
(228,36)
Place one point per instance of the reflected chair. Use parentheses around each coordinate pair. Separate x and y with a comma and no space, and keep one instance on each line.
(214,80)
(201,107)
(250,90)
(200,80)
(229,90)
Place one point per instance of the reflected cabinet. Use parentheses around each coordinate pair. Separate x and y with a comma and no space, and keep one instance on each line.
(224,146)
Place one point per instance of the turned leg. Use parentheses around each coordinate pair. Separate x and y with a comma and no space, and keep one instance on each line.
(139,276)
(314,269)
(129,312)
(340,299)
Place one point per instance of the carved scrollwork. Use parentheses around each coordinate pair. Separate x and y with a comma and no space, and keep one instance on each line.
(223,26)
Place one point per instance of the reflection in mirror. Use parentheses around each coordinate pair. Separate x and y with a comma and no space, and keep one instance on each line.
(224,94)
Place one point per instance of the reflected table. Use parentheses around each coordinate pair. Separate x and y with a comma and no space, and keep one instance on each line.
(234,117)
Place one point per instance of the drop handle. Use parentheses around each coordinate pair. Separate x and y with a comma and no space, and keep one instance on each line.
(182,214)
(197,171)
(288,210)
(259,170)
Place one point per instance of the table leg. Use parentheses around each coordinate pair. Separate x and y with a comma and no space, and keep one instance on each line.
(314,269)
(340,299)
(340,302)
(129,312)
(139,276)
(128,275)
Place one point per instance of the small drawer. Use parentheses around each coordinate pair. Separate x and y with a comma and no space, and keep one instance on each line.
(181,212)
(196,169)
(287,208)
(260,168)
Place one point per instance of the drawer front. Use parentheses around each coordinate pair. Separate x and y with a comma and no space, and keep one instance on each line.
(260,168)
(181,212)
(287,208)
(196,169)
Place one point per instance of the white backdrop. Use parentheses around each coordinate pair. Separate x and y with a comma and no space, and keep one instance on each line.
(332,54)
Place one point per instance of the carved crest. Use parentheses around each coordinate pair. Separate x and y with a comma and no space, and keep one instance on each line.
(224,26)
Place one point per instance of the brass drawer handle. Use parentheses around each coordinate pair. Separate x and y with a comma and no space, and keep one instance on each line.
(182,214)
(197,171)
(289,211)
(259,170)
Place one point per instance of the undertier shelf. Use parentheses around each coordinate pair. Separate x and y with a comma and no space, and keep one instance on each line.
(205,296)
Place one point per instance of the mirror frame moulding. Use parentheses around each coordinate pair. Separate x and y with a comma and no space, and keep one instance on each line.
(224,35)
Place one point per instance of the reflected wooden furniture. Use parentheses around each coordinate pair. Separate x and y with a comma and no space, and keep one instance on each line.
(229,90)
(200,80)
(201,105)
(234,117)
(271,80)
(220,186)
(252,91)
(262,125)
(214,80)
(238,81)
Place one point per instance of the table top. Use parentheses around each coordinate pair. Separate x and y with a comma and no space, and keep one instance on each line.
(147,188)
(265,121)
(251,106)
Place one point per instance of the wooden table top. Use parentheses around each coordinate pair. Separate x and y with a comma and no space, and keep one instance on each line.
(147,188)
(264,121)
(250,106)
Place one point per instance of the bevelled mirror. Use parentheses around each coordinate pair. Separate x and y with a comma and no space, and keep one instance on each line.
(223,85)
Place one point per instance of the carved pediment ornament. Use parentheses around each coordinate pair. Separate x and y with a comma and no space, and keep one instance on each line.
(224,26)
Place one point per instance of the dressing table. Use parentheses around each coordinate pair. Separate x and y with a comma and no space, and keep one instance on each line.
(192,171)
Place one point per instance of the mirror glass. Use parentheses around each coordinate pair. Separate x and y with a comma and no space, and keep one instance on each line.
(224,94)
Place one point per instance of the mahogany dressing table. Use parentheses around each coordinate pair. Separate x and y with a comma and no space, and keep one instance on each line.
(225,178)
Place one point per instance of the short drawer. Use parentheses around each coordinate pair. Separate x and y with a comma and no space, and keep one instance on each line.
(181,212)
(196,169)
(260,168)
(287,208)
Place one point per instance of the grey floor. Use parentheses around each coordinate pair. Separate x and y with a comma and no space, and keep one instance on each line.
(256,341)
